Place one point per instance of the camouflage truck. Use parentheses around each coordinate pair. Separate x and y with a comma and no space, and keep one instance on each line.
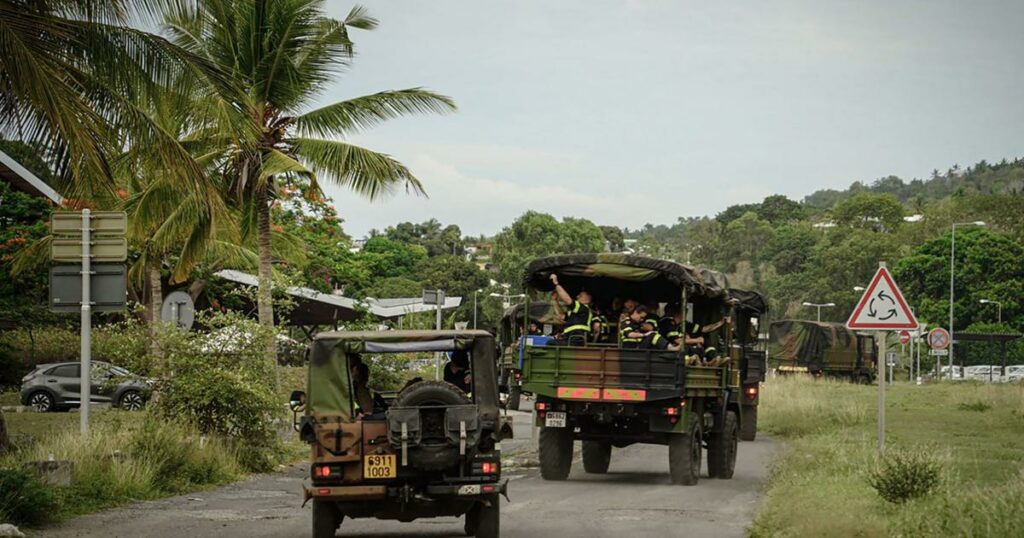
(607,396)
(433,450)
(513,334)
(821,349)
(750,319)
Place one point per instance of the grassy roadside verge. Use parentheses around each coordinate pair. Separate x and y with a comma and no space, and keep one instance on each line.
(819,484)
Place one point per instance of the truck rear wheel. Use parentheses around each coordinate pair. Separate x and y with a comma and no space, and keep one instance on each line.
(597,456)
(555,453)
(515,393)
(326,519)
(722,447)
(748,424)
(484,521)
(684,454)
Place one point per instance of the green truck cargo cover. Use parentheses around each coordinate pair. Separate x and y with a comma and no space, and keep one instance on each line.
(329,388)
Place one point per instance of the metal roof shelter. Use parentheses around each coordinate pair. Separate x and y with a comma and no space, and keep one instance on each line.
(1001,338)
(21,179)
(315,308)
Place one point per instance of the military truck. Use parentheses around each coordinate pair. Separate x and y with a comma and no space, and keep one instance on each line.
(749,352)
(607,396)
(822,348)
(513,333)
(433,450)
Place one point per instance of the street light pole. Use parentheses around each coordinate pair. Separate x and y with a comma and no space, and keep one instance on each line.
(475,293)
(999,309)
(952,293)
(819,307)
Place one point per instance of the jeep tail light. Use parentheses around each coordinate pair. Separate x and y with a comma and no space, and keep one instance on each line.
(541,406)
(489,468)
(487,489)
(322,471)
(324,491)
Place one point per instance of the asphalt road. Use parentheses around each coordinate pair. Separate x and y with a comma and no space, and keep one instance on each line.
(634,499)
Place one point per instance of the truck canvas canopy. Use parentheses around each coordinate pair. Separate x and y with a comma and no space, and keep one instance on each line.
(622,275)
(330,386)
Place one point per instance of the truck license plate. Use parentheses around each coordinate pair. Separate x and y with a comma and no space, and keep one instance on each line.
(380,466)
(555,419)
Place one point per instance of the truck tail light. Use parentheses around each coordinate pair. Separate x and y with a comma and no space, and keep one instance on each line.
(541,406)
(321,471)
(751,392)
(671,411)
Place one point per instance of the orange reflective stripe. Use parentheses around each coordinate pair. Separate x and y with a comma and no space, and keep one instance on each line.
(627,395)
(579,393)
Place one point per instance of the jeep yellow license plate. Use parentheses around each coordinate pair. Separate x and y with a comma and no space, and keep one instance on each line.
(380,466)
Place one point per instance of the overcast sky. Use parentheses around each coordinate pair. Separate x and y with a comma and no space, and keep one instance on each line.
(633,111)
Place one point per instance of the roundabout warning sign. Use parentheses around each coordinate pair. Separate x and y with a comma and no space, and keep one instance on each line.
(882,307)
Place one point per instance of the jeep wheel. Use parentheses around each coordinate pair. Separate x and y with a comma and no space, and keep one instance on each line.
(434,453)
(326,519)
(748,424)
(41,401)
(597,455)
(515,394)
(722,448)
(555,453)
(684,454)
(484,521)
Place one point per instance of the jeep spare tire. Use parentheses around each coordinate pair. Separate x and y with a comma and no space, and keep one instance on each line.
(434,453)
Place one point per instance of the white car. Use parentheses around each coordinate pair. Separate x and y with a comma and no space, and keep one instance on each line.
(1015,373)
(984,372)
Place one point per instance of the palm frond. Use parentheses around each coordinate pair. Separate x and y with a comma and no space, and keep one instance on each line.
(369,173)
(352,115)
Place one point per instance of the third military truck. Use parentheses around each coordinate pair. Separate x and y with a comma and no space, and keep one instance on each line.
(608,396)
(822,348)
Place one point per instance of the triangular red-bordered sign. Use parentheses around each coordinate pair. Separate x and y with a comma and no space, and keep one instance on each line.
(882,306)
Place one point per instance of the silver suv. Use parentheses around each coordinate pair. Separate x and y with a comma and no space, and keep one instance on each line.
(57,387)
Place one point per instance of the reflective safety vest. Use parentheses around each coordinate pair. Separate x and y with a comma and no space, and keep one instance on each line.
(629,326)
(578,319)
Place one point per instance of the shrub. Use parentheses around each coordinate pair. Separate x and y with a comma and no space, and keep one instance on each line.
(24,500)
(979,406)
(220,385)
(905,474)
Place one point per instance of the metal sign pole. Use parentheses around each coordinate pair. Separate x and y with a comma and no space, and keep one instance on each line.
(85,386)
(437,357)
(882,352)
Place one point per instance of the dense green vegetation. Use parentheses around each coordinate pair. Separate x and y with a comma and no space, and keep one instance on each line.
(821,485)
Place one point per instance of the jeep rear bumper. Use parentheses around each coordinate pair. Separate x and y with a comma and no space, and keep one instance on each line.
(371,493)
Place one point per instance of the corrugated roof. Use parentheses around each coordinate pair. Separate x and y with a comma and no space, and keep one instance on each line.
(18,176)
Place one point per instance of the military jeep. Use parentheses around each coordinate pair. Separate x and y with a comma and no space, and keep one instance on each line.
(432,450)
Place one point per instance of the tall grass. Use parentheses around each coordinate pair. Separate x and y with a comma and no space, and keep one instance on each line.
(130,459)
(820,484)
(798,405)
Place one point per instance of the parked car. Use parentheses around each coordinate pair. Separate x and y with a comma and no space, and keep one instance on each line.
(1015,373)
(57,387)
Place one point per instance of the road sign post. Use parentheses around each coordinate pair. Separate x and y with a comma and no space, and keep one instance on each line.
(939,341)
(83,238)
(85,386)
(882,308)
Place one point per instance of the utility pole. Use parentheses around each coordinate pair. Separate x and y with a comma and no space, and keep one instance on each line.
(85,383)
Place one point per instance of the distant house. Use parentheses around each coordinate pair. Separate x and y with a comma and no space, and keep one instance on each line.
(12,172)
(357,245)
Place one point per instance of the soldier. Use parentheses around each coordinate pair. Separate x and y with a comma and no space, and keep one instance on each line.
(456,371)
(631,330)
(627,308)
(578,315)
(364,399)
(654,340)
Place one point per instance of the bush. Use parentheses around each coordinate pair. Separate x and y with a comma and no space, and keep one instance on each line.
(223,385)
(905,474)
(24,500)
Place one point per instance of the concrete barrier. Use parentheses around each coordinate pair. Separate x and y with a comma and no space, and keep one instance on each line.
(53,472)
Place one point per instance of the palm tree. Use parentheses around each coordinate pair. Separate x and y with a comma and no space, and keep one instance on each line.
(278,55)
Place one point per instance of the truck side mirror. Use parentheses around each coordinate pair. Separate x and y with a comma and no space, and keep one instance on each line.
(297,401)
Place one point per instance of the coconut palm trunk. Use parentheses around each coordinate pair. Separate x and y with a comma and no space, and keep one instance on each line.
(5,441)
(264,297)
(156,303)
